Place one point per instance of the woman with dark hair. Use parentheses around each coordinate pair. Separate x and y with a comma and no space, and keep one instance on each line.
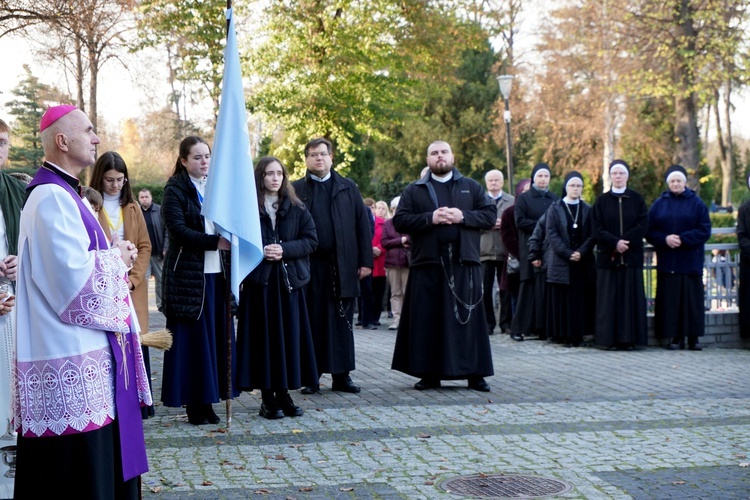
(530,206)
(570,266)
(194,279)
(743,238)
(122,219)
(678,228)
(620,220)
(510,281)
(274,340)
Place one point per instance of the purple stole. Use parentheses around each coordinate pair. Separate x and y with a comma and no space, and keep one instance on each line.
(127,404)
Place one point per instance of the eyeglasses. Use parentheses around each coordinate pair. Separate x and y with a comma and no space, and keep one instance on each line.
(317,155)
(4,143)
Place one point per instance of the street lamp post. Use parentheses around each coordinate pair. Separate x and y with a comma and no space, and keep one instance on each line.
(506,82)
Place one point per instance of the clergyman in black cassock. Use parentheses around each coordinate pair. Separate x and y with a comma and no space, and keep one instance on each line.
(442,334)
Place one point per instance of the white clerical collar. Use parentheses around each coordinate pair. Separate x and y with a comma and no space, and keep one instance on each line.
(442,178)
(320,179)
(571,202)
(619,190)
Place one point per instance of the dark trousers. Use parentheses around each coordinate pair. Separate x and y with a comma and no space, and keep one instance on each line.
(493,270)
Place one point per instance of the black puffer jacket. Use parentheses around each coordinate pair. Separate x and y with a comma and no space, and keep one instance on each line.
(295,232)
(183,284)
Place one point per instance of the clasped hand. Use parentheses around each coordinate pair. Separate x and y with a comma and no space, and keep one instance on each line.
(128,251)
(446,215)
(273,251)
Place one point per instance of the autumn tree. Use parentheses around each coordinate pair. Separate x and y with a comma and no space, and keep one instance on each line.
(347,69)
(80,35)
(192,34)
(680,45)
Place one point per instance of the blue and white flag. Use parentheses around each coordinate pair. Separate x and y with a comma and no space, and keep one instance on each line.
(231,200)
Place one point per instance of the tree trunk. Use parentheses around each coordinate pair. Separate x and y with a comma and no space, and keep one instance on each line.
(722,150)
(728,172)
(79,74)
(608,153)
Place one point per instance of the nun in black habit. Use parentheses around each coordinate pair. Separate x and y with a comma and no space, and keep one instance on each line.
(743,238)
(620,221)
(529,318)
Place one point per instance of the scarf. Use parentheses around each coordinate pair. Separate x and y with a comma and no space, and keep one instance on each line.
(12,197)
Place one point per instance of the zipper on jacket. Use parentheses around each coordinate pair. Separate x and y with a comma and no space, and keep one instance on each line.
(177,260)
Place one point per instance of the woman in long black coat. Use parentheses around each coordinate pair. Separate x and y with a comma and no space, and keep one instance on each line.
(620,221)
(570,266)
(274,341)
(529,318)
(743,238)
(678,228)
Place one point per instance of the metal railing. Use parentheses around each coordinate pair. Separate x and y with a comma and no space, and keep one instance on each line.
(720,274)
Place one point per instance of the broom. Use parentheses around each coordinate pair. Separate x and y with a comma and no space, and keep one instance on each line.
(160,339)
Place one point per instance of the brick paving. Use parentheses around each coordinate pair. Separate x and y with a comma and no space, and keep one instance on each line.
(637,424)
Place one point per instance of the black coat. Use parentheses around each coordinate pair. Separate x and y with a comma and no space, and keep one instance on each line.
(414,217)
(558,248)
(530,206)
(616,217)
(295,232)
(353,237)
(183,285)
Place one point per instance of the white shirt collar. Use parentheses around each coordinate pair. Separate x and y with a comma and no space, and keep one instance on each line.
(443,178)
(320,179)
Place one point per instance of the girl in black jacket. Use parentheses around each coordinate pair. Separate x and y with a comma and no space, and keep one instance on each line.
(194,278)
(274,338)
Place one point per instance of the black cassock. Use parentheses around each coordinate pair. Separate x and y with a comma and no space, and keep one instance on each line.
(443,329)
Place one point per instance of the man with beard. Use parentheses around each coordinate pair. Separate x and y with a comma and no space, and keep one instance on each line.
(343,257)
(442,334)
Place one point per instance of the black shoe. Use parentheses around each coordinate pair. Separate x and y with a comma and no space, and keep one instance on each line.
(479,384)
(491,331)
(196,414)
(518,337)
(311,389)
(358,323)
(344,384)
(287,405)
(675,347)
(427,383)
(390,314)
(211,416)
(695,347)
(270,411)
(377,323)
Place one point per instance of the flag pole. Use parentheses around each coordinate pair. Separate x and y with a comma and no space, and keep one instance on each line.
(228,305)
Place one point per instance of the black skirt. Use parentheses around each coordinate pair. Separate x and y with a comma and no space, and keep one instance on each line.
(679,308)
(570,310)
(274,342)
(530,315)
(195,367)
(620,308)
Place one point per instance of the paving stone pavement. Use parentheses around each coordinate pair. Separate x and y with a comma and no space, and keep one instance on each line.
(647,424)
